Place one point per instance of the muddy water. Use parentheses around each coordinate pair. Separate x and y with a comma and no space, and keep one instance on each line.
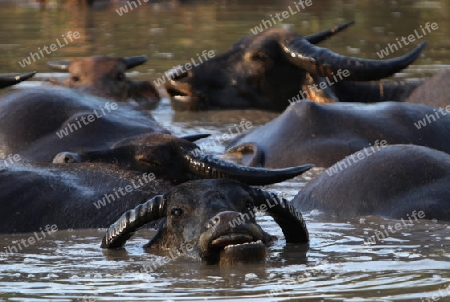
(340,264)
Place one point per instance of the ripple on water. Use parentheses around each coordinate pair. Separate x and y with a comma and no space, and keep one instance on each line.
(339,263)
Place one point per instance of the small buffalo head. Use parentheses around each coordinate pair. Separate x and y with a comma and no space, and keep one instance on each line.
(105,76)
(213,220)
(10,80)
(177,160)
(268,69)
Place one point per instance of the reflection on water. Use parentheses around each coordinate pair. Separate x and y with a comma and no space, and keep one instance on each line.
(410,265)
(70,265)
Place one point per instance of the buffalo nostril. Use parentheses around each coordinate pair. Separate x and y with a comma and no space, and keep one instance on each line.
(212,222)
(177,73)
(180,76)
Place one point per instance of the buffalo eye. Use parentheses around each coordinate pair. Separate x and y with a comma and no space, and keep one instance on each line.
(75,78)
(260,56)
(120,76)
(177,212)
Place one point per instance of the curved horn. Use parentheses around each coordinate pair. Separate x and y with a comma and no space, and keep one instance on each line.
(207,166)
(324,62)
(59,65)
(8,80)
(120,231)
(323,35)
(131,62)
(285,215)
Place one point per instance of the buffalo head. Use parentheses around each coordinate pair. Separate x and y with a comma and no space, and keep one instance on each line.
(177,160)
(105,76)
(9,80)
(269,69)
(214,217)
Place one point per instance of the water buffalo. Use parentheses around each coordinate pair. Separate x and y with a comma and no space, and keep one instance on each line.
(214,217)
(70,196)
(175,159)
(322,134)
(90,195)
(9,80)
(39,123)
(397,182)
(276,67)
(434,92)
(105,76)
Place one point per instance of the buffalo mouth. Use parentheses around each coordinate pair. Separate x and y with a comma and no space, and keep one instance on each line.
(235,248)
(181,96)
(182,102)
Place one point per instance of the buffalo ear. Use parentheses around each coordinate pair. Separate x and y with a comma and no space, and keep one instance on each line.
(144,93)
(247,154)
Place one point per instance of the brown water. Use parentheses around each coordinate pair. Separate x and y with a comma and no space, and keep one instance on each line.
(410,265)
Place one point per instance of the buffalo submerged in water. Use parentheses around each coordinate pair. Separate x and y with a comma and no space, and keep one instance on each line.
(322,134)
(276,67)
(397,181)
(215,217)
(212,220)
(105,76)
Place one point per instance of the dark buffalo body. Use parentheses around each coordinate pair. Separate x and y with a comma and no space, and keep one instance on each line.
(392,182)
(434,92)
(322,134)
(33,196)
(37,124)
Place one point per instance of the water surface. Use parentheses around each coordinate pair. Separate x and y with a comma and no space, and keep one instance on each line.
(410,265)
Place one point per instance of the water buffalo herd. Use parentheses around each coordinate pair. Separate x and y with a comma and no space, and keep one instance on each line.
(87,153)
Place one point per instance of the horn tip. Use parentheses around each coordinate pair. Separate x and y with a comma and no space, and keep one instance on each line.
(28,75)
(301,169)
(61,65)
